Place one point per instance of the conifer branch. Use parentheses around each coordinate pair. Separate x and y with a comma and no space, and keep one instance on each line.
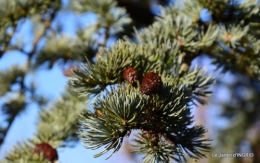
(148,85)
(47,25)
(9,40)
(23,88)
(8,78)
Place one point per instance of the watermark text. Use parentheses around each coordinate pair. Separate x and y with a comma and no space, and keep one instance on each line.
(232,155)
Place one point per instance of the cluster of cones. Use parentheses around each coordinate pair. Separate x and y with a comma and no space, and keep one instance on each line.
(151,82)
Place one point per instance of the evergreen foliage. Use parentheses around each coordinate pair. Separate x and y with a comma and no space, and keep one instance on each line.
(101,108)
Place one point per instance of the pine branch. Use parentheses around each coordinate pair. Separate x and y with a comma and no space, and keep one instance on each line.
(47,25)
(3,50)
(12,109)
(8,78)
(119,111)
(60,120)
(23,152)
(27,67)
(165,116)
(57,126)
(166,50)
(107,70)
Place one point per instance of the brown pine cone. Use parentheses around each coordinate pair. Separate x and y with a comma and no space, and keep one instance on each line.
(47,150)
(131,75)
(151,83)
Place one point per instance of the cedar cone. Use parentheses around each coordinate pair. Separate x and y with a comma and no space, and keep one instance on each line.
(131,75)
(151,83)
(47,150)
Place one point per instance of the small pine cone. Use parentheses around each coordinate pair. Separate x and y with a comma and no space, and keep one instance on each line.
(151,83)
(131,75)
(47,150)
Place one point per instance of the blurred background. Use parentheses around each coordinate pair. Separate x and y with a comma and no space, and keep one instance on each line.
(232,116)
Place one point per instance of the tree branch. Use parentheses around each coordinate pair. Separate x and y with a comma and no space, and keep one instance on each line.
(47,25)
(8,41)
